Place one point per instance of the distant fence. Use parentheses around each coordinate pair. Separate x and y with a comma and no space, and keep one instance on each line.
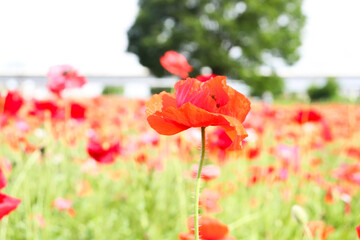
(141,86)
(133,86)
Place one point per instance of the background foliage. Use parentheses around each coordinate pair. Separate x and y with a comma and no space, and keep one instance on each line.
(233,38)
(329,91)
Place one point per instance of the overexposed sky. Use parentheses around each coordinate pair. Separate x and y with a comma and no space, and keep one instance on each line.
(91,36)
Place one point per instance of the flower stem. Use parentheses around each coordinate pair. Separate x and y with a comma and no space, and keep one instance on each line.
(308,232)
(197,187)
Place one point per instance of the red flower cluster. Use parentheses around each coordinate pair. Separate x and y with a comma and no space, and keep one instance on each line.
(304,116)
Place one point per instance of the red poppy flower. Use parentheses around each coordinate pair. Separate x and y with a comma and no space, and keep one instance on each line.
(210,229)
(13,103)
(176,63)
(358,231)
(40,107)
(7,203)
(62,77)
(77,111)
(199,104)
(103,153)
(304,116)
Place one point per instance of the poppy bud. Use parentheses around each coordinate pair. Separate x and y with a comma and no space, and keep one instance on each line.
(299,214)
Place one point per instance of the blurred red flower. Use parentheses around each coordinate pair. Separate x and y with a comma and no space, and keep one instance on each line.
(39,220)
(253,152)
(219,139)
(13,103)
(176,63)
(358,231)
(7,203)
(199,104)
(77,111)
(353,152)
(103,152)
(210,229)
(47,106)
(304,116)
(320,229)
(209,200)
(348,172)
(209,172)
(62,204)
(62,77)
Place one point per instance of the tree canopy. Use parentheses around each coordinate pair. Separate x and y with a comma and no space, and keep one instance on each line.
(239,39)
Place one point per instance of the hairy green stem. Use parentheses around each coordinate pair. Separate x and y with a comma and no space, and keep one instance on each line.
(198,180)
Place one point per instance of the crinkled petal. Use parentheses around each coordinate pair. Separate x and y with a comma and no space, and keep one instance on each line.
(238,105)
(160,123)
(191,116)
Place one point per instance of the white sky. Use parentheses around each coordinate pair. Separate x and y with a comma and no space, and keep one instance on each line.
(91,36)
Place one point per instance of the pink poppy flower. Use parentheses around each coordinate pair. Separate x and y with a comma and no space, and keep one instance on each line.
(62,77)
(209,200)
(209,172)
(62,204)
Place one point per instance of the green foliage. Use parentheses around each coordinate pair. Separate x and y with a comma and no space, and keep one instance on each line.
(159,90)
(234,38)
(261,84)
(327,92)
(113,90)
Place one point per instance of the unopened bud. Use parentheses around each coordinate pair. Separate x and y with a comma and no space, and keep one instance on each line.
(299,214)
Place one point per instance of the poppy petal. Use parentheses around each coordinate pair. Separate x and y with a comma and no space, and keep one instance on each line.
(7,204)
(238,105)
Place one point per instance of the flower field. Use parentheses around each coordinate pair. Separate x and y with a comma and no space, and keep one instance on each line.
(94,169)
(118,168)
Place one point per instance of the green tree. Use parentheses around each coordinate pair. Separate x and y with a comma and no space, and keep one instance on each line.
(233,38)
(329,91)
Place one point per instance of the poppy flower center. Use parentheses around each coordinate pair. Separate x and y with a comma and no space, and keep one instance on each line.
(208,95)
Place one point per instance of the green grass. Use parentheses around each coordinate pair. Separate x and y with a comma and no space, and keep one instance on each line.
(145,204)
